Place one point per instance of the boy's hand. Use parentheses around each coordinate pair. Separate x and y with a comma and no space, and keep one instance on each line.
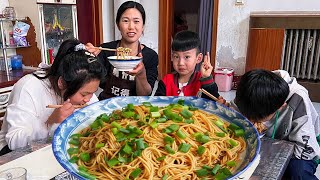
(221,100)
(206,67)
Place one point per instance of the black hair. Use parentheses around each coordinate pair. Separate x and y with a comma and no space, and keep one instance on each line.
(178,19)
(260,93)
(128,5)
(185,40)
(75,67)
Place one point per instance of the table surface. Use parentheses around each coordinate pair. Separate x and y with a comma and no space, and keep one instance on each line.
(274,158)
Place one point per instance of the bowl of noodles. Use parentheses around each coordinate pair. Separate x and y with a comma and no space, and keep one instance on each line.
(156,138)
(126,63)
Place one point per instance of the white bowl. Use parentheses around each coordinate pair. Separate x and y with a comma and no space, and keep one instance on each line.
(125,64)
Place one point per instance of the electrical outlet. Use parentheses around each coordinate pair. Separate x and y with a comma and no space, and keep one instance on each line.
(239,2)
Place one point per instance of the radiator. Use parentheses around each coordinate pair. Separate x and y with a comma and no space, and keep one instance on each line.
(301,53)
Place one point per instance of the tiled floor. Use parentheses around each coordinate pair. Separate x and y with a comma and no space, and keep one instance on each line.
(231,95)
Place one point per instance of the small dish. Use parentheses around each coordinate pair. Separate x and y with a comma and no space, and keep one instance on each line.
(125,64)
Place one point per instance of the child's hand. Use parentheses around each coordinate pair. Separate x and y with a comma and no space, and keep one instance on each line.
(206,67)
(60,114)
(221,100)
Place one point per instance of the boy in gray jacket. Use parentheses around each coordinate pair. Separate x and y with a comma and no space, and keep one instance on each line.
(276,101)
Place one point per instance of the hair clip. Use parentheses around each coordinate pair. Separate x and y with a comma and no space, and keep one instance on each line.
(79,47)
(89,54)
(91,59)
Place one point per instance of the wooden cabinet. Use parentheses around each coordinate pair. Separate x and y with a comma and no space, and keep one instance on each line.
(264,48)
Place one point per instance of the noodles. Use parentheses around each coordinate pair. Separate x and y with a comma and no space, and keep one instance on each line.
(261,128)
(150,142)
(123,53)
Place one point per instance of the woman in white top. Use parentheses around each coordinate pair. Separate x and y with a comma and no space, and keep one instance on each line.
(71,80)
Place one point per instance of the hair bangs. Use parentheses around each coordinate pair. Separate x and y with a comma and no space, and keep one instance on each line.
(185,40)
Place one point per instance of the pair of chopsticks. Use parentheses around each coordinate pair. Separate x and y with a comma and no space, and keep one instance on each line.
(106,49)
(59,106)
(208,94)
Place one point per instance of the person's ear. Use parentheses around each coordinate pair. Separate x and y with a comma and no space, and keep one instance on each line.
(61,83)
(199,57)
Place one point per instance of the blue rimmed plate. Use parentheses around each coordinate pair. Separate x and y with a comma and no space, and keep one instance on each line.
(85,116)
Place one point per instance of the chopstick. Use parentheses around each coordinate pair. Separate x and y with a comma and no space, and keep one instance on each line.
(59,105)
(106,49)
(208,94)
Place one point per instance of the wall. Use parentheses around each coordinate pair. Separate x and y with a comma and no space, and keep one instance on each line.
(233,27)
(3,4)
(151,30)
(108,26)
(111,32)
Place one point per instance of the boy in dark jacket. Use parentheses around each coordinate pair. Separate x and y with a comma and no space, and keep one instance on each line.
(283,110)
(185,81)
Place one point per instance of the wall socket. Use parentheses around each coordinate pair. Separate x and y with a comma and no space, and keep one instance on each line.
(239,2)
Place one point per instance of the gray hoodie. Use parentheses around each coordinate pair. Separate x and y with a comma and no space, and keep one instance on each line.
(298,121)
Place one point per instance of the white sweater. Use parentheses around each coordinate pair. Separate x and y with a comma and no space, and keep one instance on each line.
(27,113)
(300,120)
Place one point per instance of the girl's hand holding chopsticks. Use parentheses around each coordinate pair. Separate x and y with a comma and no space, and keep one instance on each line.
(61,113)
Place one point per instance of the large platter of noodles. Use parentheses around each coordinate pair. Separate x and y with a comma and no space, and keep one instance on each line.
(156,138)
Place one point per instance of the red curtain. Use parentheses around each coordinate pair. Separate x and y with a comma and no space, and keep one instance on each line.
(89,21)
